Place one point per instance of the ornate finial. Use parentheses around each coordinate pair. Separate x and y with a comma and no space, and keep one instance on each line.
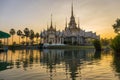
(78,23)
(72,9)
(66,23)
(47,26)
(51,22)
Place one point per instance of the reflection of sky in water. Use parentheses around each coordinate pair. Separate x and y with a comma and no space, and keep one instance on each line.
(58,65)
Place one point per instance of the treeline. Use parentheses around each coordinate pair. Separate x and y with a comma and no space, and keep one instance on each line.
(116,41)
(30,35)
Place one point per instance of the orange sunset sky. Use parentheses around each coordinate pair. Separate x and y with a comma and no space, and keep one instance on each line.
(94,15)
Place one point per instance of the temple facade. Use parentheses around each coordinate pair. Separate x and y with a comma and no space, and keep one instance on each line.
(72,34)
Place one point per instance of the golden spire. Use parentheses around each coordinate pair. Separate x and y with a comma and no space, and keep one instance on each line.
(47,26)
(72,23)
(72,9)
(66,23)
(78,23)
(51,22)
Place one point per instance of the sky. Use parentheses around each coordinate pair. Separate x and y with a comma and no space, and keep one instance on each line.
(94,15)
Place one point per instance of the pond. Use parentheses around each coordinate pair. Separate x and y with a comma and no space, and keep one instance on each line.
(48,64)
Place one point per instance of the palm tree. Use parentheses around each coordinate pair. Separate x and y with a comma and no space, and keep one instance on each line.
(12,32)
(22,36)
(19,33)
(27,32)
(32,36)
(37,36)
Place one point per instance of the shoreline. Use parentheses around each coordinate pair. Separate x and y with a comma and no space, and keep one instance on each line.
(34,47)
(69,47)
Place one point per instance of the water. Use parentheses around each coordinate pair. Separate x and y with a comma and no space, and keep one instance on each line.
(59,65)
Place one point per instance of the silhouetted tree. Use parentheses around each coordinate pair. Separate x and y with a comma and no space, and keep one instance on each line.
(22,36)
(105,41)
(12,32)
(116,26)
(31,36)
(97,44)
(19,33)
(116,44)
(27,32)
(116,41)
(37,36)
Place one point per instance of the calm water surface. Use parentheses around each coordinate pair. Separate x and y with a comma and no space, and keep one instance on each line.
(59,65)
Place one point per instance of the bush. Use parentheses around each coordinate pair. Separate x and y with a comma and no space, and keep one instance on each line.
(97,44)
(50,42)
(14,43)
(75,43)
(0,42)
(115,45)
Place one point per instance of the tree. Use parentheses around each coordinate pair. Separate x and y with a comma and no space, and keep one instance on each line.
(0,43)
(105,41)
(12,32)
(97,44)
(116,44)
(31,36)
(116,26)
(27,32)
(19,33)
(37,36)
(22,36)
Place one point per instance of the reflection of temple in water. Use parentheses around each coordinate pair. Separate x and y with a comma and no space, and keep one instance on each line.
(57,64)
(68,62)
(70,58)
(50,59)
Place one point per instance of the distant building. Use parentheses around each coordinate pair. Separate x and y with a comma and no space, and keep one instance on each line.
(72,34)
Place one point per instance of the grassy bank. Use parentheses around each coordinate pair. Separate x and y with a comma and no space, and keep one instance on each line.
(76,47)
(70,47)
(21,47)
(18,47)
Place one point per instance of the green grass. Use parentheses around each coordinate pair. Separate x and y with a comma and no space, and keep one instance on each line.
(58,47)
(70,47)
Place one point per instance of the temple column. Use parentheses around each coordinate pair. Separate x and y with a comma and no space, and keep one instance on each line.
(72,40)
(79,40)
(60,40)
(43,40)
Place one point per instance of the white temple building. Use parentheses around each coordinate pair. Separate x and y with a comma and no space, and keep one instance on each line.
(72,34)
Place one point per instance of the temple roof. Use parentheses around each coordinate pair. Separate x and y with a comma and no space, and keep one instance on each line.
(72,23)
